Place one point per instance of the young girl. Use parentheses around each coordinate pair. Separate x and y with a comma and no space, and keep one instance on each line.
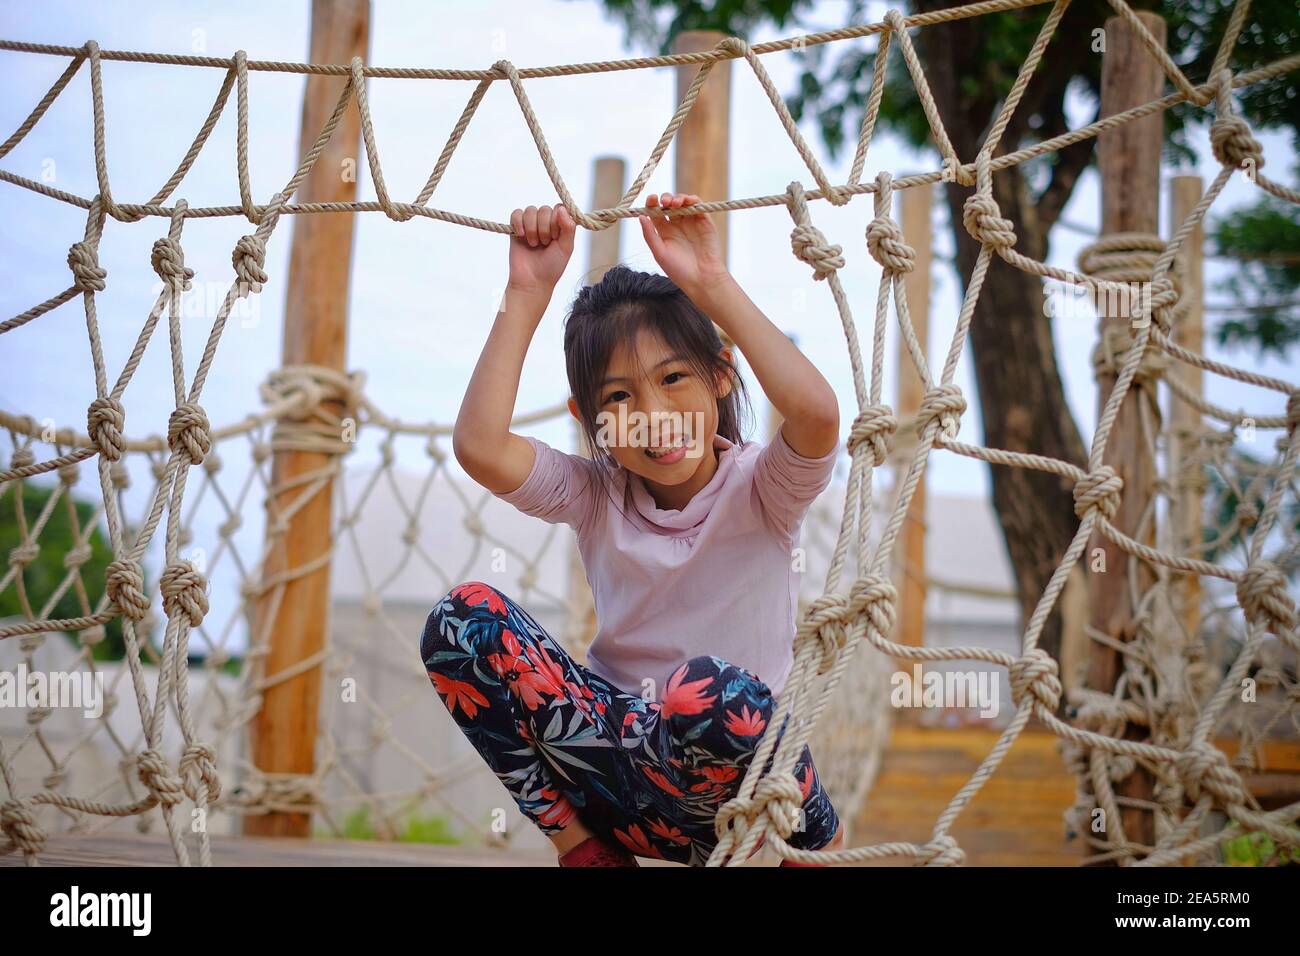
(686,532)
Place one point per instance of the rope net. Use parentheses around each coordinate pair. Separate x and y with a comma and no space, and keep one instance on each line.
(1213,608)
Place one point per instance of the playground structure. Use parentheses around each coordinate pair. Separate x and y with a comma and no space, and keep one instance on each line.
(1149,727)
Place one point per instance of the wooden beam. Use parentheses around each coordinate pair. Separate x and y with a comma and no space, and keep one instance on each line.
(1128,159)
(603,252)
(916,204)
(315,333)
(1185,420)
(703,143)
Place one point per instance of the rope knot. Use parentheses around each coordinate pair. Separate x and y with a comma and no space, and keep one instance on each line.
(825,623)
(1203,767)
(1293,412)
(983,220)
(1262,593)
(184,591)
(875,424)
(1164,299)
(24,554)
(877,597)
(124,585)
(733,45)
(886,245)
(200,760)
(778,797)
(187,431)
(812,247)
(169,262)
(1233,143)
(943,404)
(944,851)
(1099,489)
(1111,352)
(105,419)
(1036,674)
(83,260)
(248,258)
(157,777)
(18,823)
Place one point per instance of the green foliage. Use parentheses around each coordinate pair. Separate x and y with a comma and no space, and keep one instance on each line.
(1272,31)
(415,829)
(43,575)
(1255,481)
(642,24)
(986,55)
(1263,312)
(1258,849)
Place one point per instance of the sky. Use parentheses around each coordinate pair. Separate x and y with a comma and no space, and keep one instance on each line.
(424,292)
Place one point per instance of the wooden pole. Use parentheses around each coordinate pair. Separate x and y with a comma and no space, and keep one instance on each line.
(315,333)
(917,203)
(603,252)
(1128,159)
(703,144)
(1189,332)
(703,150)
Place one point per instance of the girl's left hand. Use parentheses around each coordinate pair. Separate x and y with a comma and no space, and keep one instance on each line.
(687,248)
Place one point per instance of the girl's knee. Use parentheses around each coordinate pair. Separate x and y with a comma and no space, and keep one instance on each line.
(475,594)
(447,616)
(730,683)
(717,710)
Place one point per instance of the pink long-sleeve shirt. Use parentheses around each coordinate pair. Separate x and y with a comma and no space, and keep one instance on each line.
(717,577)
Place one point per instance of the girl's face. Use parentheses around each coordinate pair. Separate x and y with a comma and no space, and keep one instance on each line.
(655,414)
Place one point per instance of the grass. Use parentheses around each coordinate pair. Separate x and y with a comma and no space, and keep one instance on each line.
(415,829)
(1258,849)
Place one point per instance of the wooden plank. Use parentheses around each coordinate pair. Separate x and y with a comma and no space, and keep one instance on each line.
(1185,420)
(137,849)
(603,252)
(1015,820)
(917,204)
(315,333)
(1128,159)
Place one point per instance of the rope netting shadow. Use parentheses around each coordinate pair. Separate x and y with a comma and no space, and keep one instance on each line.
(1180,700)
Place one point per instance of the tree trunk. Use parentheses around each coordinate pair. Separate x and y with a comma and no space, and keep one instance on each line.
(1021,397)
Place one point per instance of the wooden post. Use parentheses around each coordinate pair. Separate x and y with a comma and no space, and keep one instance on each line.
(315,333)
(703,149)
(917,204)
(703,144)
(603,252)
(1189,332)
(1128,159)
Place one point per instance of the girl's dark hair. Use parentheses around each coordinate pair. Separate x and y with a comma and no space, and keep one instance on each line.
(615,310)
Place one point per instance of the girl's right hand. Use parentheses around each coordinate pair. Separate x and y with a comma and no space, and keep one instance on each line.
(540,247)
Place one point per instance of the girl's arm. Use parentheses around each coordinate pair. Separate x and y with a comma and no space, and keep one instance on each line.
(688,248)
(490,453)
(792,383)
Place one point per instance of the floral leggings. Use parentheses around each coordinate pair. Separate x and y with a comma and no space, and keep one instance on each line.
(566,743)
